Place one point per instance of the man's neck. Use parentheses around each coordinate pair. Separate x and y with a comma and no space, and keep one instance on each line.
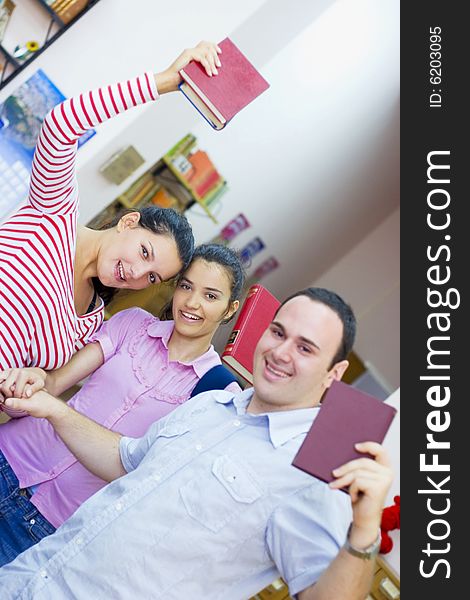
(257,405)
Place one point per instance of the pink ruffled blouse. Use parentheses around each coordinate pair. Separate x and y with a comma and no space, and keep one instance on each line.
(135,386)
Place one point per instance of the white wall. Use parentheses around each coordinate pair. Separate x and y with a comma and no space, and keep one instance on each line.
(368,277)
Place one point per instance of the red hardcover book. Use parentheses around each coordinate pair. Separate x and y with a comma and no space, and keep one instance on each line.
(347,416)
(204,175)
(220,97)
(253,319)
(207,184)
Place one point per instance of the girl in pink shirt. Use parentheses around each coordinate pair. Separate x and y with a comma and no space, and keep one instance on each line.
(141,368)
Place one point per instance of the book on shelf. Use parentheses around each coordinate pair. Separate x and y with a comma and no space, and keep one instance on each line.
(231,230)
(146,196)
(135,192)
(220,97)
(347,416)
(173,185)
(6,9)
(67,10)
(250,250)
(195,170)
(163,198)
(215,193)
(192,166)
(121,165)
(203,176)
(266,267)
(253,319)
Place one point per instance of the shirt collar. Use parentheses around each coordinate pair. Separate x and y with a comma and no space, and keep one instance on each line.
(283,425)
(164,329)
(161,329)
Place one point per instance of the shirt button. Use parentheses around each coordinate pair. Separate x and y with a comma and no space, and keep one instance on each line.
(230,478)
(198,447)
(32,521)
(156,477)
(237,423)
(118,506)
(43,573)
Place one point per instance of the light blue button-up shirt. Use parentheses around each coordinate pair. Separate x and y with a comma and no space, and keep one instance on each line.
(211,507)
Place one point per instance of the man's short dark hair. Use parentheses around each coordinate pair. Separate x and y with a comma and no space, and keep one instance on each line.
(344,312)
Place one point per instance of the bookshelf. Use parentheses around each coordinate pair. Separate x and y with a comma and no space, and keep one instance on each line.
(185,175)
(38,21)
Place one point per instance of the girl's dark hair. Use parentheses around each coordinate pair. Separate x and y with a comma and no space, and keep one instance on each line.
(226,258)
(164,221)
(344,312)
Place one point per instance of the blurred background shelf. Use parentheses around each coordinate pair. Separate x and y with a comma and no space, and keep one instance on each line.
(28,27)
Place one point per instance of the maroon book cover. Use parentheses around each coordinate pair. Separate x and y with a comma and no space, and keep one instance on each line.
(347,416)
(253,319)
(235,86)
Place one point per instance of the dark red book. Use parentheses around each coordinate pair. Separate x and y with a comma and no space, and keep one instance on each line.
(220,97)
(253,319)
(347,416)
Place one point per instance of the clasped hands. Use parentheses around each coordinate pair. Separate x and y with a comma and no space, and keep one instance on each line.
(24,390)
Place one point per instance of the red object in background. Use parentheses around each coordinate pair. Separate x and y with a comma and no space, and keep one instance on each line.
(253,319)
(237,84)
(390,520)
(204,176)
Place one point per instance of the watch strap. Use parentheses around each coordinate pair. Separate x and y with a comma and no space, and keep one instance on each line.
(367,553)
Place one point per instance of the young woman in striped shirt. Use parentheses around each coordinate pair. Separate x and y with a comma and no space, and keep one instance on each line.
(48,303)
(141,369)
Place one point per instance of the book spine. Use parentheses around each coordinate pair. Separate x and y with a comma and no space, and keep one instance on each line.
(210,182)
(247,309)
(214,195)
(213,124)
(145,200)
(130,202)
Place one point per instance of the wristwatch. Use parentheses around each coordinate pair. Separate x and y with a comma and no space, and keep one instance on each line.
(368,553)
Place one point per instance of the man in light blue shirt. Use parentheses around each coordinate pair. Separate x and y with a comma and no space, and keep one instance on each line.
(207,503)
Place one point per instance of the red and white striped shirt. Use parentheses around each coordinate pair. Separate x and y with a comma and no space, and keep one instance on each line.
(38,322)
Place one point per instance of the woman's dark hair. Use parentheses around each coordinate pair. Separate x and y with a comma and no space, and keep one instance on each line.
(164,221)
(228,259)
(344,312)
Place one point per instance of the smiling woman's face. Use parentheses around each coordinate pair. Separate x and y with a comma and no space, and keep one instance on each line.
(201,299)
(136,257)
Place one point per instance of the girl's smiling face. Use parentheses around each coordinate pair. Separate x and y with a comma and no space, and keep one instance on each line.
(136,257)
(202,299)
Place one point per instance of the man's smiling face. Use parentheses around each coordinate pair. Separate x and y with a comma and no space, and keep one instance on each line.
(292,362)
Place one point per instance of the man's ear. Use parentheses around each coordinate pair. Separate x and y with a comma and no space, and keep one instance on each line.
(336,372)
(128,221)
